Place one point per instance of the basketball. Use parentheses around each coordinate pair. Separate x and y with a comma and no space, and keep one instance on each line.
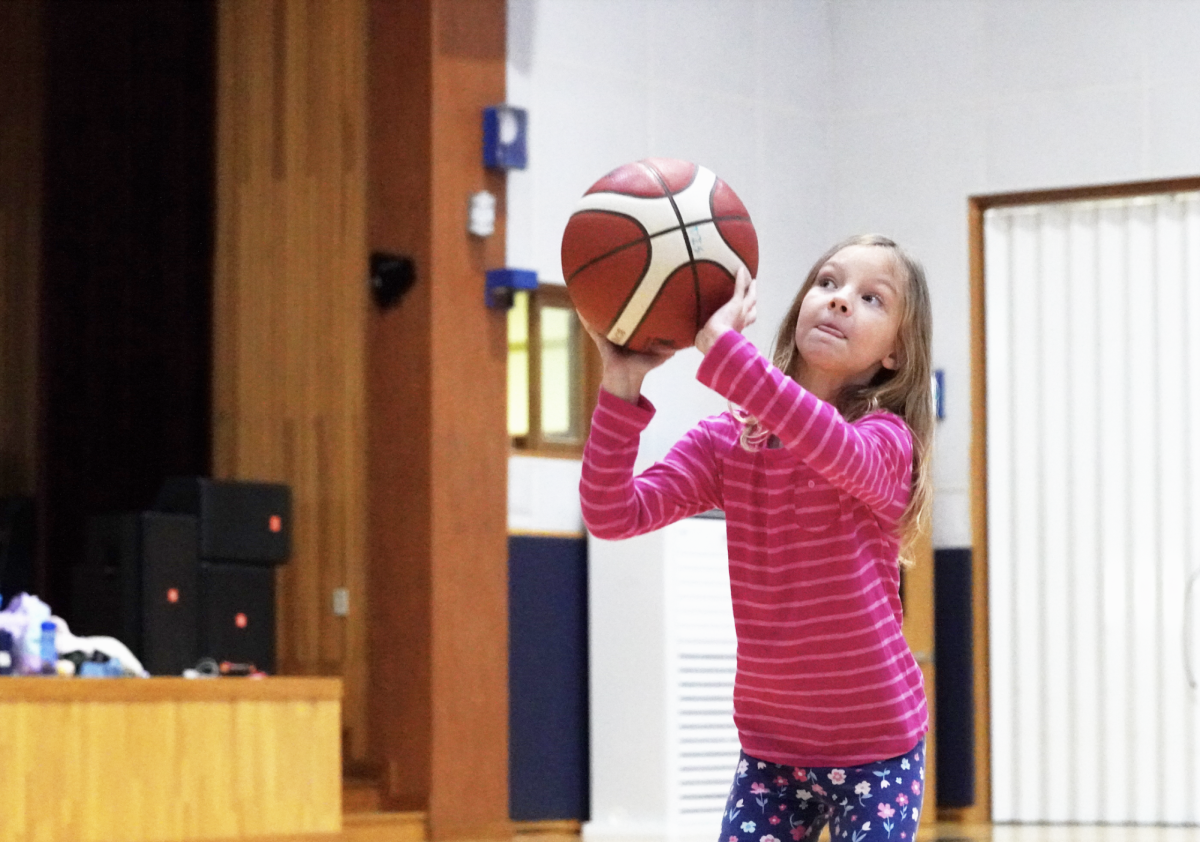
(651,250)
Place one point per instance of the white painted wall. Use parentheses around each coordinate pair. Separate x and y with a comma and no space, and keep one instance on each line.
(832,118)
(739,86)
(937,100)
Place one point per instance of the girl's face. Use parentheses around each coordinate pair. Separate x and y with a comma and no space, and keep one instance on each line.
(849,320)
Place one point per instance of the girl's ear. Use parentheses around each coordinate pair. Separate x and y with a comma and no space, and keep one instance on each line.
(892,361)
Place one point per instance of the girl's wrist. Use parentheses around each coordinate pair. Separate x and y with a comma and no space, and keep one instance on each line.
(708,336)
(626,387)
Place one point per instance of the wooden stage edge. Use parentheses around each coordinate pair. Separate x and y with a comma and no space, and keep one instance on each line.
(152,759)
(166,689)
(410,827)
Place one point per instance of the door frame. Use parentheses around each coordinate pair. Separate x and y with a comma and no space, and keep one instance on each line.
(981,811)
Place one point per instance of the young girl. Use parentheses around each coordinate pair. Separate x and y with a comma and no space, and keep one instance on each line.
(821,472)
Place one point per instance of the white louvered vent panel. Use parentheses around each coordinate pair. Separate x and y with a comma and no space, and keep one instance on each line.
(702,748)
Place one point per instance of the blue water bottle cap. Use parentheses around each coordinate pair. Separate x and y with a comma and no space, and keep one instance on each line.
(48,649)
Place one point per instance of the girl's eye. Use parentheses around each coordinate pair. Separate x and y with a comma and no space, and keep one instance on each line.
(825,283)
(872,298)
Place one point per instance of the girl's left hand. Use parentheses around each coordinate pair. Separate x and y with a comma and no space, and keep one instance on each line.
(738,313)
(624,370)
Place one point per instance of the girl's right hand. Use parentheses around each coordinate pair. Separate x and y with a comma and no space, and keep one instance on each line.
(624,370)
(737,314)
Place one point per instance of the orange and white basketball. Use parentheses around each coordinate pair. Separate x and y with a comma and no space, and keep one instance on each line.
(651,250)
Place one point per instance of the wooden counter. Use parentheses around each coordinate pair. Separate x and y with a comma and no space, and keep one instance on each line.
(143,760)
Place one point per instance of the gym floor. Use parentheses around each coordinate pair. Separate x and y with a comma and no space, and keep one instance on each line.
(1057,833)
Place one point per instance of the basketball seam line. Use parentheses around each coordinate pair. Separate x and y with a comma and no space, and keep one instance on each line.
(695,271)
(692,264)
(650,252)
(633,291)
(647,237)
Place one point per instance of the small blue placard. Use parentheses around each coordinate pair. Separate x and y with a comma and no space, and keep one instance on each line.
(504,129)
(500,284)
(939,394)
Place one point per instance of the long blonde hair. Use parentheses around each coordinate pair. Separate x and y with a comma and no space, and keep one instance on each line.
(906,391)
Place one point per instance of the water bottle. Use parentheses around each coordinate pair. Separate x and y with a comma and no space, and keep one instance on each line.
(29,658)
(47,648)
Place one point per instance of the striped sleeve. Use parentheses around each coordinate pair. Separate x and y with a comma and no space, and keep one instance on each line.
(870,459)
(615,503)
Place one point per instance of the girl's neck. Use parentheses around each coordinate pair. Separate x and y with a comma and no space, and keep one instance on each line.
(826,386)
(815,381)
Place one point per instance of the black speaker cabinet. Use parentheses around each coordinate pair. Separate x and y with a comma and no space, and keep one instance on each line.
(237,613)
(139,584)
(239,521)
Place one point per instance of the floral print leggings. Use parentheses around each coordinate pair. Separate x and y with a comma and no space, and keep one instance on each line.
(877,801)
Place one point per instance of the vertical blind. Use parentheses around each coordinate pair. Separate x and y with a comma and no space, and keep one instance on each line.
(1093,479)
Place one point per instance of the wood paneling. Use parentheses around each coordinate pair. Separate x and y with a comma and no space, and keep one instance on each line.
(20,239)
(384,827)
(169,689)
(919,632)
(290,302)
(400,380)
(102,760)
(438,439)
(981,810)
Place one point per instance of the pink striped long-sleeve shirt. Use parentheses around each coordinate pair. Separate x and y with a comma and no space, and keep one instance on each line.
(824,676)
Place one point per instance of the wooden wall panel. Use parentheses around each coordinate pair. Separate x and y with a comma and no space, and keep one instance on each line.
(290,303)
(400,377)
(919,632)
(20,239)
(470,436)
(400,385)
(438,423)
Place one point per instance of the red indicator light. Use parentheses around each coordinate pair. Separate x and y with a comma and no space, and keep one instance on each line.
(172,595)
(240,620)
(275,524)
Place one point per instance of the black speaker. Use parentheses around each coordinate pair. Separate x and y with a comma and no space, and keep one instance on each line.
(237,613)
(239,521)
(139,584)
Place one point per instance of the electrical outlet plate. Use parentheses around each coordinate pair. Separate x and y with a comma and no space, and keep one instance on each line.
(341,602)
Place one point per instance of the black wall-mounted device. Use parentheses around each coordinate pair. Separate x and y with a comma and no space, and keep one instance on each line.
(392,275)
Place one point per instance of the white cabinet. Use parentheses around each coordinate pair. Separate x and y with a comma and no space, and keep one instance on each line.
(662,659)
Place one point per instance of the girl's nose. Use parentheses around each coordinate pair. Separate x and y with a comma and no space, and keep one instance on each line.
(838,303)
